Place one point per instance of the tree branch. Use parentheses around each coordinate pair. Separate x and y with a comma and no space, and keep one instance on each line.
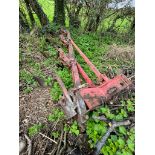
(101,143)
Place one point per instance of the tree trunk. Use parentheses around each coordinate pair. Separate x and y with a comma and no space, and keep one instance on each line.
(94,24)
(30,12)
(39,11)
(74,20)
(23,24)
(133,25)
(59,13)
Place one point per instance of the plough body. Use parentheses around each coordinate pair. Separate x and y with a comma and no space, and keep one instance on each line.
(85,97)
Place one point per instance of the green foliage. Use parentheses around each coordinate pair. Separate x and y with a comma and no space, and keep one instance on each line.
(115,144)
(42,44)
(28,90)
(130,106)
(27,78)
(66,77)
(48,81)
(130,145)
(95,47)
(56,115)
(95,130)
(120,115)
(55,134)
(74,128)
(56,91)
(122,130)
(33,130)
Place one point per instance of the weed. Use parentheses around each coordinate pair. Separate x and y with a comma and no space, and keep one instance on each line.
(55,134)
(66,77)
(94,130)
(116,144)
(33,130)
(56,115)
(28,90)
(27,78)
(74,128)
(56,92)
(48,81)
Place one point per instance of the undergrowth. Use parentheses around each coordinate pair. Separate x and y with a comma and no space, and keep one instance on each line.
(95,46)
(121,141)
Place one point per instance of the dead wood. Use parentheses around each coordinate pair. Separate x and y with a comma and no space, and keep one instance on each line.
(29,144)
(102,142)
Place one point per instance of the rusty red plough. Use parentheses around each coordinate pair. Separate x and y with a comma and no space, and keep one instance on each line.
(85,97)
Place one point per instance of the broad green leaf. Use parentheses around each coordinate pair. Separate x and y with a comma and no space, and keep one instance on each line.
(131,144)
(122,130)
(113,137)
(121,142)
(118,153)
(124,113)
(119,117)
(104,110)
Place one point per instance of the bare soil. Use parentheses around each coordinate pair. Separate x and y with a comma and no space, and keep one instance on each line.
(35,107)
(124,53)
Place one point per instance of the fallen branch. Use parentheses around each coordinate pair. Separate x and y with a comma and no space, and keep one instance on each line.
(101,118)
(53,151)
(63,148)
(113,125)
(48,138)
(29,145)
(71,151)
(62,132)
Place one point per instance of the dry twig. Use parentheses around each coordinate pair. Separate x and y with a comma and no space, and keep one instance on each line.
(48,138)
(29,144)
(62,132)
(101,118)
(71,151)
(63,148)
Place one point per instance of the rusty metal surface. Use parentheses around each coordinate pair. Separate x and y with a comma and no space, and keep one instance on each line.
(91,95)
(66,101)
